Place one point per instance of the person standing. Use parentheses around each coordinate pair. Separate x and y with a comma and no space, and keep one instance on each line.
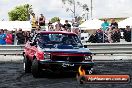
(127,34)
(50,26)
(67,26)
(113,24)
(109,33)
(93,38)
(105,25)
(75,22)
(116,35)
(33,21)
(41,20)
(2,37)
(100,36)
(58,26)
(20,37)
(9,38)
(77,32)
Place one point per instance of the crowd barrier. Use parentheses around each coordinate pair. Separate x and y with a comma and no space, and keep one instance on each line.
(95,48)
(109,48)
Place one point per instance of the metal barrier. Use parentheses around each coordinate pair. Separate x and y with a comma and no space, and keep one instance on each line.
(109,48)
(11,49)
(96,48)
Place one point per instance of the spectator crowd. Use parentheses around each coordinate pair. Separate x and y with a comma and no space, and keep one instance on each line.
(109,32)
(21,37)
(14,37)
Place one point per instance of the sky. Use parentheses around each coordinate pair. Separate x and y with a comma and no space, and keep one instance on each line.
(52,8)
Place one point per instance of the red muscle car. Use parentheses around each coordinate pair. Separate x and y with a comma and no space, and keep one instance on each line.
(56,51)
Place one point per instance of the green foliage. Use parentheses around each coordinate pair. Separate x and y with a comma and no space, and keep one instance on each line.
(54,19)
(20,13)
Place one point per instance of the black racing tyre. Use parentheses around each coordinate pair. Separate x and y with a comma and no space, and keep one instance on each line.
(35,68)
(27,65)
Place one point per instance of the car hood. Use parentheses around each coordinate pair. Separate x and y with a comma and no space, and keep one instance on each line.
(78,51)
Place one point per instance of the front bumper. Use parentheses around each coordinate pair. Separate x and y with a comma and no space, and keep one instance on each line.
(65,65)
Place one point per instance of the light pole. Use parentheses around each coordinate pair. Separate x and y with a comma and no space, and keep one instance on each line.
(74,11)
(91,9)
(87,9)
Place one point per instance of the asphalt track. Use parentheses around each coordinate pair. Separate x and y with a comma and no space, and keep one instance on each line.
(13,76)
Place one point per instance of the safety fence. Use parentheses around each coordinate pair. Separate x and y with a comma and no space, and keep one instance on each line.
(95,48)
(109,48)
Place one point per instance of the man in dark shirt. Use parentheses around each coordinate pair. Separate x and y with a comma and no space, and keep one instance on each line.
(42,20)
(67,26)
(114,24)
(127,34)
(20,37)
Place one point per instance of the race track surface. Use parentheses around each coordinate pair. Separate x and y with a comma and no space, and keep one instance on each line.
(13,76)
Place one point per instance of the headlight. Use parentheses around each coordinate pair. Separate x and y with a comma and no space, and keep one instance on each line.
(87,58)
(47,55)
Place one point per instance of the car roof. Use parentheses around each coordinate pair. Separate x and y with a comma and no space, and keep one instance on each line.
(55,32)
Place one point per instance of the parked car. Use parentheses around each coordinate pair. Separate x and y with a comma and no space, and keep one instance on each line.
(56,51)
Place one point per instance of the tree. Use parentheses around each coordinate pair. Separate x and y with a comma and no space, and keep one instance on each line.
(20,13)
(72,5)
(55,19)
(29,10)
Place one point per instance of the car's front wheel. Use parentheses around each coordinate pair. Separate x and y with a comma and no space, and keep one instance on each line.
(26,65)
(36,70)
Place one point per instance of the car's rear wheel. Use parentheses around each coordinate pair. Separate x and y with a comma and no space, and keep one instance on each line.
(26,65)
(36,70)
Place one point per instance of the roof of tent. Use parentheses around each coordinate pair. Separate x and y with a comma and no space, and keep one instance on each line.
(12,25)
(126,22)
(91,24)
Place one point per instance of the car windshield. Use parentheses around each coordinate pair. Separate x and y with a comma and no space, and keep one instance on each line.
(62,40)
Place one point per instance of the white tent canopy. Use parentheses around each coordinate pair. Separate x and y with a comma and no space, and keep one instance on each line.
(91,24)
(126,22)
(12,25)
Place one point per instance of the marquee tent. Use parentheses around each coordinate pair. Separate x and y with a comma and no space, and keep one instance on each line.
(12,25)
(126,22)
(91,24)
